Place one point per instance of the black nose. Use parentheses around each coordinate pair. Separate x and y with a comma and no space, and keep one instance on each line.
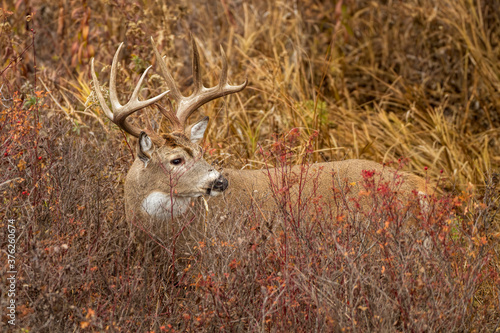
(220,184)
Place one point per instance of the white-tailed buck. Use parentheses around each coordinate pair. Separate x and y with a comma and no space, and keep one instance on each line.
(169,169)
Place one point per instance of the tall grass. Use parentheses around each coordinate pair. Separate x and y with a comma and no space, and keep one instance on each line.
(375,80)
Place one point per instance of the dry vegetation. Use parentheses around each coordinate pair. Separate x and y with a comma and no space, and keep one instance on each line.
(329,80)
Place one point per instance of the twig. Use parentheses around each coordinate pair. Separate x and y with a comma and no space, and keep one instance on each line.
(9,181)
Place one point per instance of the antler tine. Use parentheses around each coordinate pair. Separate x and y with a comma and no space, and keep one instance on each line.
(201,95)
(100,97)
(119,112)
(171,116)
(113,96)
(198,85)
(174,90)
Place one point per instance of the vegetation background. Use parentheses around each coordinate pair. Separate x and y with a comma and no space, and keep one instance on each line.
(378,80)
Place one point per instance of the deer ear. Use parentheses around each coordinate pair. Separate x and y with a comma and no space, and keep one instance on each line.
(197,130)
(144,148)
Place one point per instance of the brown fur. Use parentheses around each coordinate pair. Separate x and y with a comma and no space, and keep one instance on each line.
(325,182)
(255,187)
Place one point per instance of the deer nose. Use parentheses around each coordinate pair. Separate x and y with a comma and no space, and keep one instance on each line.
(220,184)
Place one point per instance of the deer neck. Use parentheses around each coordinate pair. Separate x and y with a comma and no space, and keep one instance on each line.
(162,206)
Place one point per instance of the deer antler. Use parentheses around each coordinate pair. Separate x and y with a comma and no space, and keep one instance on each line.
(121,112)
(201,94)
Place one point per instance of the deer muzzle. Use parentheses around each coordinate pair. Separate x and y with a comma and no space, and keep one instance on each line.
(218,185)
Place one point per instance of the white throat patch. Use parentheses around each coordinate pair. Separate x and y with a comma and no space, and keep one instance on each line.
(162,207)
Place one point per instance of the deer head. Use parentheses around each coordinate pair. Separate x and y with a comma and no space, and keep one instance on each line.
(169,168)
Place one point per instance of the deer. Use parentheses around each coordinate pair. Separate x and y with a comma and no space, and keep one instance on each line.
(169,172)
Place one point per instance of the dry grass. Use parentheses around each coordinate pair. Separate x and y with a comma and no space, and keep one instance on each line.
(375,80)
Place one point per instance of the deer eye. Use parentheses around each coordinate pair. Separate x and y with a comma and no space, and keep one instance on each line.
(176,161)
